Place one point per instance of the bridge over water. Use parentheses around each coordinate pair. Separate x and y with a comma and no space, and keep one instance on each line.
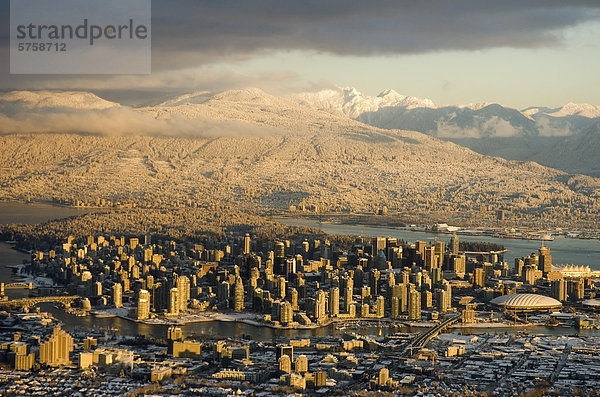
(66,300)
(425,337)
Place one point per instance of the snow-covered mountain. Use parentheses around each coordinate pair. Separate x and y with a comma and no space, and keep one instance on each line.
(254,150)
(570,109)
(53,99)
(554,137)
(492,129)
(392,110)
(353,103)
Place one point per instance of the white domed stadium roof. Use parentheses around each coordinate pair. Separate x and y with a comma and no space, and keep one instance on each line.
(526,302)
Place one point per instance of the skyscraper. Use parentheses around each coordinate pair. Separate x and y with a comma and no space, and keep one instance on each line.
(143,308)
(183,288)
(334,302)
(174,301)
(238,304)
(118,295)
(559,290)
(377,244)
(414,305)
(55,351)
(286,314)
(545,260)
(246,244)
(454,244)
(301,364)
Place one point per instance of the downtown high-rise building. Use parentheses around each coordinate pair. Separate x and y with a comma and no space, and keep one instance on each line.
(143,307)
(174,305)
(414,304)
(56,350)
(454,244)
(238,298)
(117,295)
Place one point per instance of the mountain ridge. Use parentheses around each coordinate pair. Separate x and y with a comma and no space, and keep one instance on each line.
(302,157)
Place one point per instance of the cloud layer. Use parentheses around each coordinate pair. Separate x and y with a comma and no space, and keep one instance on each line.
(192,34)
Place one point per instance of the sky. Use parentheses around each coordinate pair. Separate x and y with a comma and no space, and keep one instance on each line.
(517,53)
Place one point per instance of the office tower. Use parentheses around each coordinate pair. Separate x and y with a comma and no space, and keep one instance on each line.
(576,289)
(518,269)
(403,295)
(364,310)
(301,364)
(395,312)
(426,299)
(348,293)
(143,307)
(530,274)
(488,269)
(374,276)
(454,244)
(223,294)
(414,304)
(238,305)
(183,288)
(281,287)
(118,295)
(320,305)
(440,249)
(380,306)
(279,258)
(290,266)
(377,244)
(285,364)
(468,314)
(174,305)
(294,298)
(430,258)
(286,314)
(320,379)
(458,264)
(479,277)
(334,302)
(559,290)
(246,244)
(545,260)
(384,376)
(436,275)
(420,248)
(443,299)
(55,351)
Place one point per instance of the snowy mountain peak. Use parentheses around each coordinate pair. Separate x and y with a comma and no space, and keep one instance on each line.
(54,99)
(474,106)
(577,109)
(354,103)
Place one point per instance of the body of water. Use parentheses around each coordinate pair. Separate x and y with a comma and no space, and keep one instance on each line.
(15,212)
(564,250)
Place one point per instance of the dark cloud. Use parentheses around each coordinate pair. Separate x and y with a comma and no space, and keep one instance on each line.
(190,33)
(206,30)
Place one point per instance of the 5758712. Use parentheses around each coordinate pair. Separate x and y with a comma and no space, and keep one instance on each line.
(42,47)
